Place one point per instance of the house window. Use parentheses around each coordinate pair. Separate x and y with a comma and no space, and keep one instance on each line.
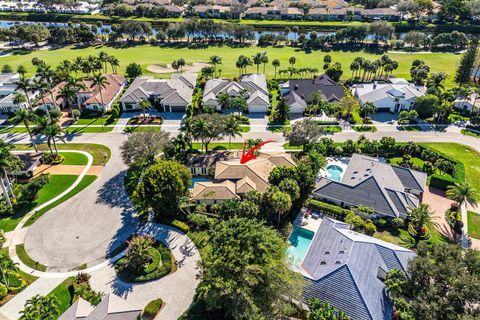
(204,170)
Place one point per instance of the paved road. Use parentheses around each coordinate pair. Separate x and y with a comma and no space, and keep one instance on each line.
(84,228)
(176,290)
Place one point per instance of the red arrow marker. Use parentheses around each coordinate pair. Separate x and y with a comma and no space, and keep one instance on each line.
(250,154)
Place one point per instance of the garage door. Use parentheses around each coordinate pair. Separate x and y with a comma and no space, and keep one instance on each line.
(383,109)
(178,109)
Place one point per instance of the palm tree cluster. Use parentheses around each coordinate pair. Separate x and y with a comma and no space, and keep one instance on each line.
(379,69)
(260,58)
(242,63)
(292,72)
(235,103)
(40,308)
(8,163)
(178,64)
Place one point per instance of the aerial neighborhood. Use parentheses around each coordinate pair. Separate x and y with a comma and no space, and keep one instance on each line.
(234,159)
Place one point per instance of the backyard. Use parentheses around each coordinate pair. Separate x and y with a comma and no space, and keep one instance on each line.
(146,55)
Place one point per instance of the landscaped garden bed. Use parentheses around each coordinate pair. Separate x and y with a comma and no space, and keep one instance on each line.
(152,309)
(150,120)
(146,260)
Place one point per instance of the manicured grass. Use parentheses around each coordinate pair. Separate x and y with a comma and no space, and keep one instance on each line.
(13,130)
(25,258)
(56,185)
(474,224)
(219,146)
(410,128)
(361,128)
(105,120)
(130,129)
(279,128)
(87,129)
(470,133)
(468,156)
(150,54)
(98,151)
(401,237)
(73,158)
(245,128)
(287,146)
(62,294)
(86,181)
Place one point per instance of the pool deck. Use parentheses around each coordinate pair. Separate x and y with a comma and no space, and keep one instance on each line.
(312,224)
(342,162)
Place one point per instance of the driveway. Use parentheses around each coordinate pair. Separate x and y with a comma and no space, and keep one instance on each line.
(84,228)
(176,289)
(438,203)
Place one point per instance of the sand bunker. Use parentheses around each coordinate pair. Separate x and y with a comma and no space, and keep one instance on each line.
(194,67)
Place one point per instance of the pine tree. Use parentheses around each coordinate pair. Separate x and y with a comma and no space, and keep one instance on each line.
(466,63)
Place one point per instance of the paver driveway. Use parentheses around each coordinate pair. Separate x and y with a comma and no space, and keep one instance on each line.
(84,228)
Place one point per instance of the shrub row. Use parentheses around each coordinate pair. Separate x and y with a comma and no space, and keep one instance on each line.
(441,182)
(152,308)
(328,209)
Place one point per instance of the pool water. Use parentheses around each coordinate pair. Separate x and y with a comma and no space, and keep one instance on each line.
(334,172)
(299,242)
(198,179)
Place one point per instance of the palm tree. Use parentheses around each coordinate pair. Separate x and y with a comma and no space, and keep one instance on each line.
(26,116)
(224,100)
(240,103)
(145,105)
(8,162)
(101,82)
(103,58)
(276,64)
(52,132)
(114,63)
(292,61)
(69,94)
(40,308)
(7,266)
(421,218)
(354,67)
(46,74)
(215,60)
(264,60)
(463,193)
(24,84)
(232,128)
(181,63)
(257,59)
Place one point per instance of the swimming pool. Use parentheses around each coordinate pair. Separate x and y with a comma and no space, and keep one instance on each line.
(299,242)
(198,179)
(334,172)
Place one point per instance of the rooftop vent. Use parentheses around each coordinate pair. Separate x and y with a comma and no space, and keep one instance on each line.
(338,262)
(327,252)
(341,251)
(323,262)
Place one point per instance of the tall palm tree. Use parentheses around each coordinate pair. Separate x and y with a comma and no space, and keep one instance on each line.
(214,61)
(46,74)
(26,116)
(103,57)
(24,84)
(257,59)
(276,64)
(8,162)
(69,94)
(101,82)
(463,193)
(232,128)
(264,60)
(7,266)
(53,132)
(421,218)
(292,61)
(114,63)
(145,105)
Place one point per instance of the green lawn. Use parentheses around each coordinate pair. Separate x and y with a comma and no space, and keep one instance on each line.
(360,128)
(25,258)
(130,129)
(149,54)
(401,237)
(468,156)
(98,151)
(86,181)
(62,294)
(56,185)
(474,224)
(470,133)
(73,158)
(87,129)
(13,130)
(105,120)
(219,146)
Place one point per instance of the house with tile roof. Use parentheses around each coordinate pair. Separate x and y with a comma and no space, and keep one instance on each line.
(171,95)
(233,179)
(89,97)
(253,87)
(347,269)
(390,190)
(112,307)
(298,92)
(395,96)
(273,13)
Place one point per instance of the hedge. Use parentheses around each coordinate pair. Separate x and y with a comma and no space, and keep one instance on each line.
(327,208)
(441,182)
(152,308)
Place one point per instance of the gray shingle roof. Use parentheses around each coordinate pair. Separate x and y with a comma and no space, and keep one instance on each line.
(342,268)
(301,90)
(389,190)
